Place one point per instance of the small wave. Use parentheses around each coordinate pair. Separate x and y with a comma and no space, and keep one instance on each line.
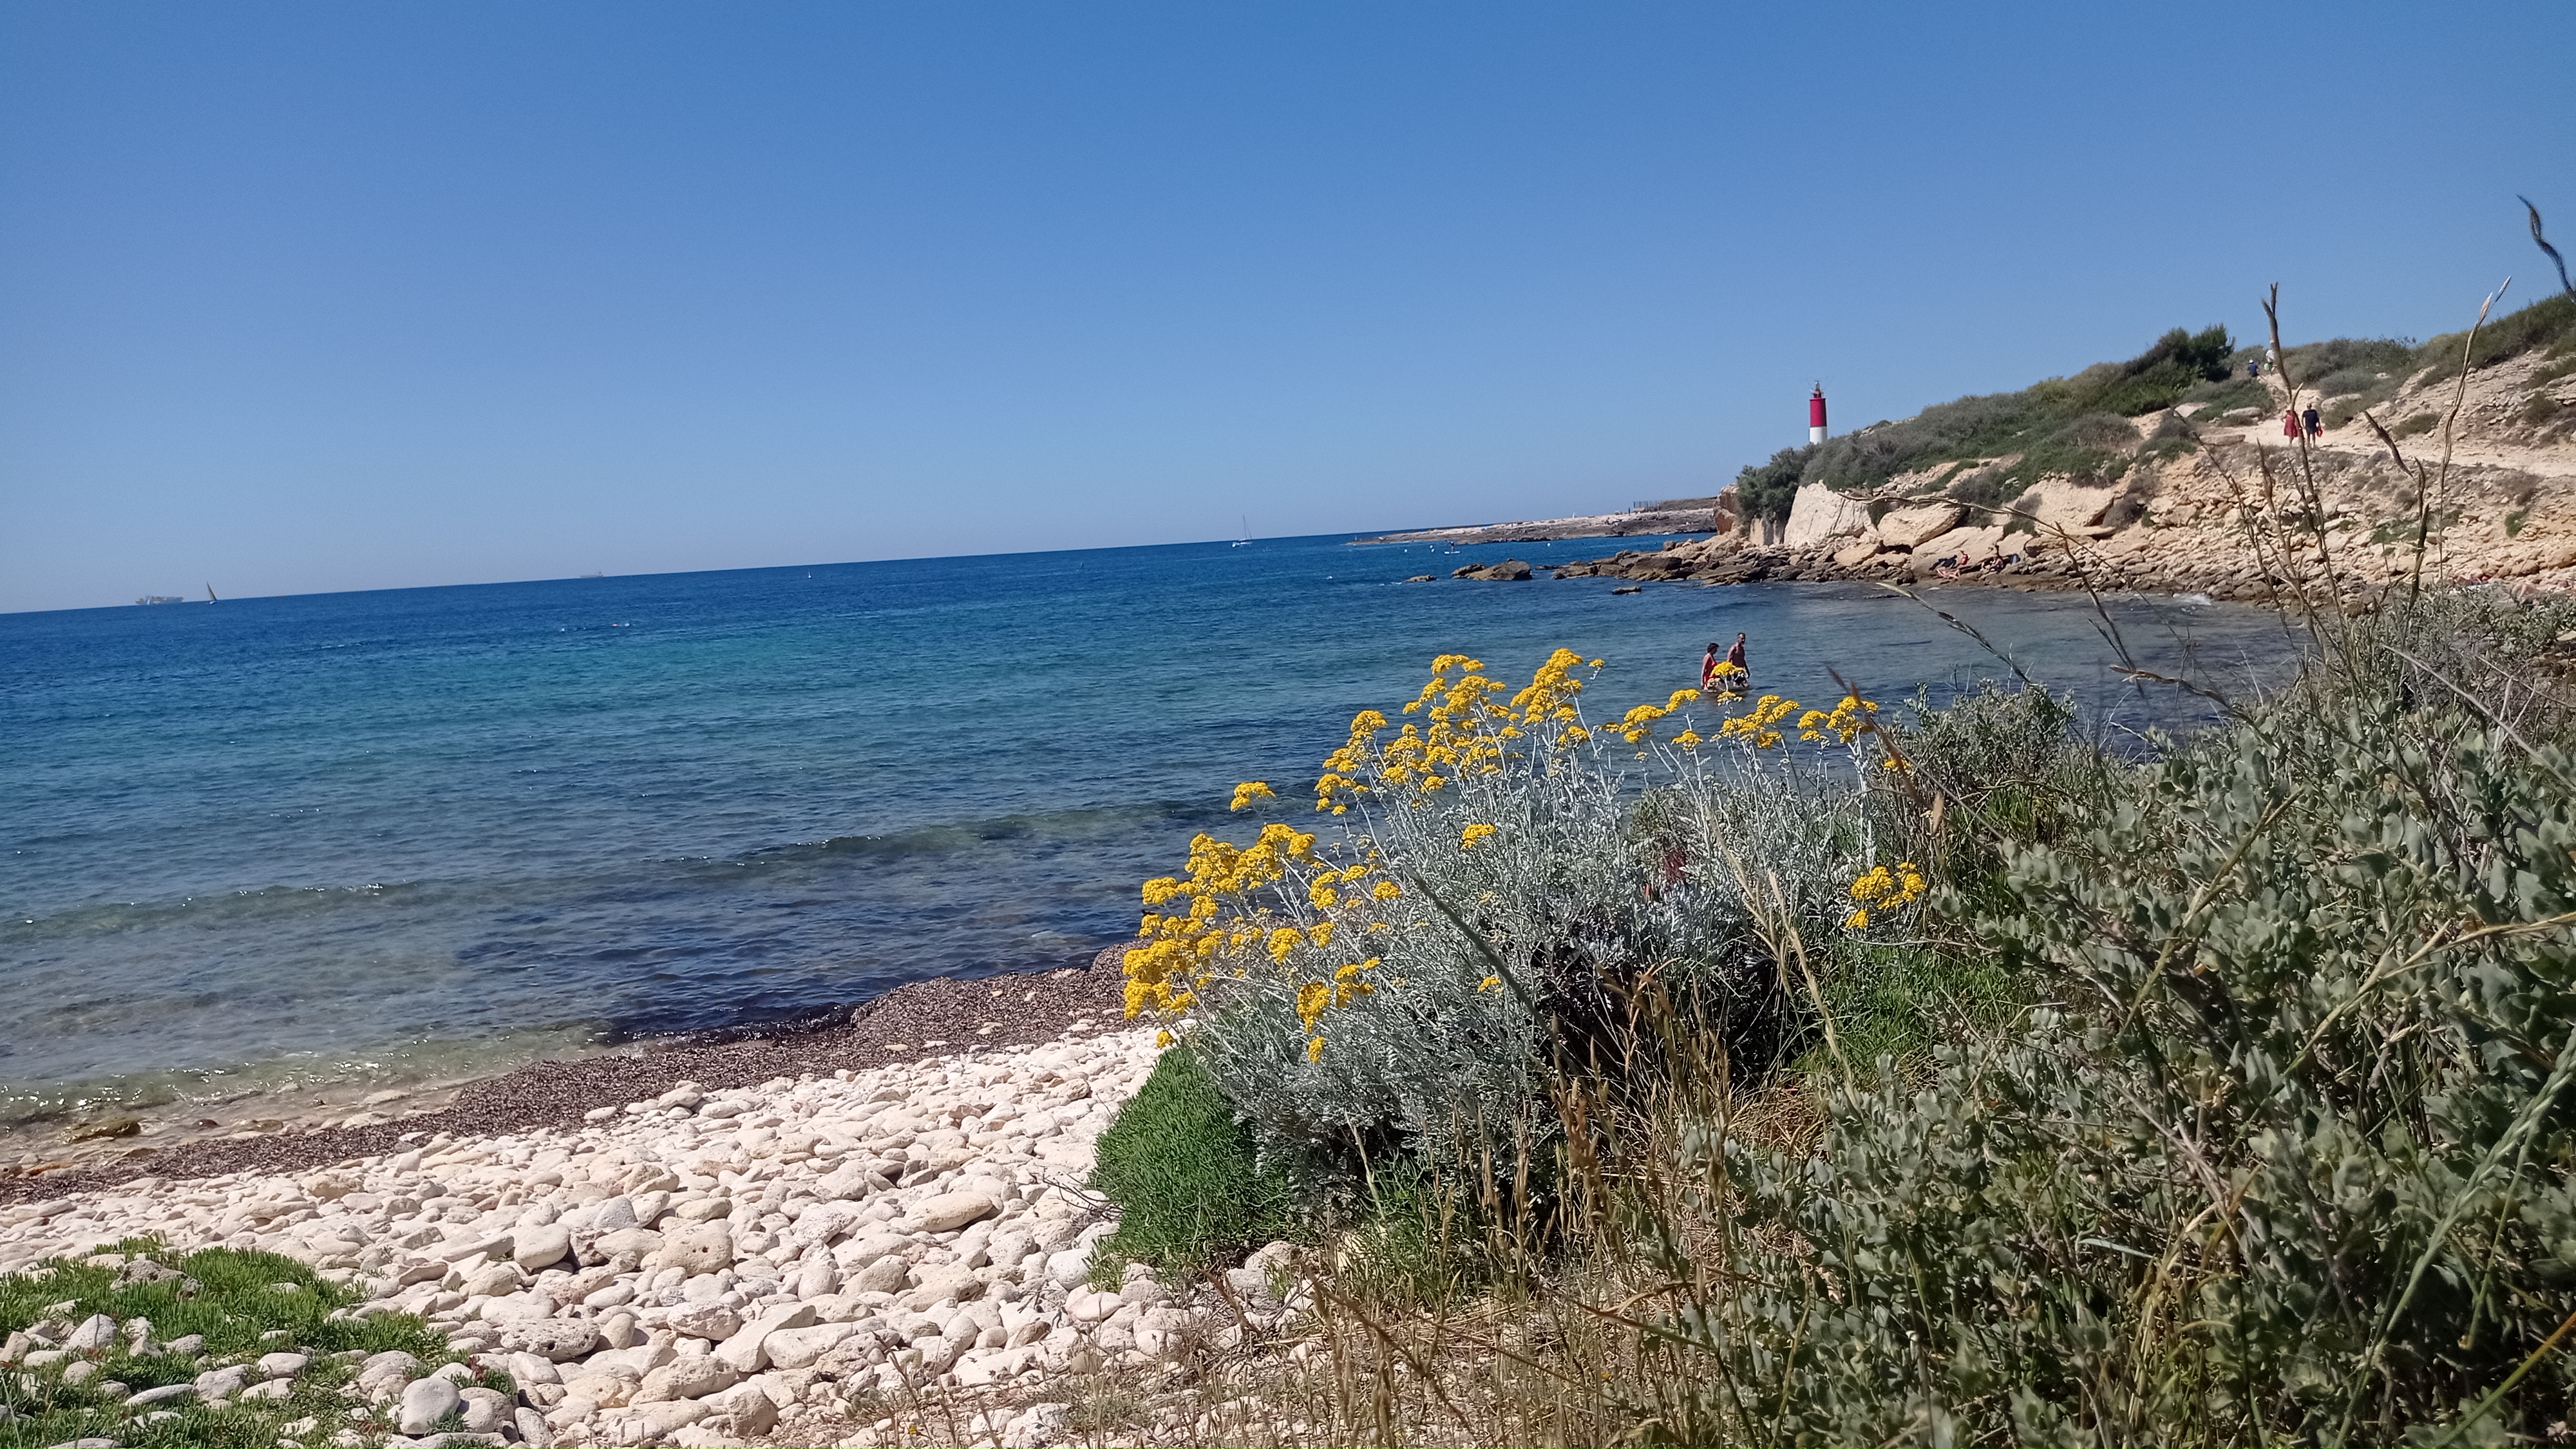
(281,902)
(948,838)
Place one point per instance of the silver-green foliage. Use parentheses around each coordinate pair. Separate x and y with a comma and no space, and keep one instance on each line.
(2289,1161)
(1609,862)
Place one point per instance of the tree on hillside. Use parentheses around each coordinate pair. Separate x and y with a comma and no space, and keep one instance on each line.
(1768,489)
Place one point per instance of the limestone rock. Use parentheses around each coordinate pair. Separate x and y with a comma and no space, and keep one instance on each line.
(1910,528)
(537,1248)
(627,1248)
(888,1274)
(558,1339)
(424,1403)
(483,1410)
(713,1322)
(1819,513)
(694,1377)
(745,1352)
(951,1281)
(796,1348)
(953,1210)
(700,1247)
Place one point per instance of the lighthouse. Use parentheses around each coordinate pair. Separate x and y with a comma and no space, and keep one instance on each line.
(1816,416)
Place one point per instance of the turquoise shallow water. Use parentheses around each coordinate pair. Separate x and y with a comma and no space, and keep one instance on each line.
(338,830)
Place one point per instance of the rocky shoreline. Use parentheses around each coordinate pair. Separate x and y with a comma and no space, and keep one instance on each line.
(919,1021)
(893,1254)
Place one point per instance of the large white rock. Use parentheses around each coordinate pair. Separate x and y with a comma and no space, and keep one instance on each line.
(950,1211)
(539,1247)
(949,1281)
(713,1322)
(424,1403)
(646,1423)
(700,1247)
(558,1339)
(1819,513)
(796,1348)
(2060,503)
(694,1377)
(1916,526)
(745,1352)
(1972,544)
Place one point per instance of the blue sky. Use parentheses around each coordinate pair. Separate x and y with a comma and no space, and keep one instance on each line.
(302,297)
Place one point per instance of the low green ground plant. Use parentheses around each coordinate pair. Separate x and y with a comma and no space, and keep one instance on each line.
(1182,1172)
(242,1304)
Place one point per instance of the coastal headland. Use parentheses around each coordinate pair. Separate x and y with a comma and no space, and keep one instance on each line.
(2205,496)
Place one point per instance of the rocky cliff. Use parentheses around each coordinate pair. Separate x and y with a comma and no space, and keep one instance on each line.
(2220,505)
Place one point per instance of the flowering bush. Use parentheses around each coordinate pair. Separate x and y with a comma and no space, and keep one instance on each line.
(1500,875)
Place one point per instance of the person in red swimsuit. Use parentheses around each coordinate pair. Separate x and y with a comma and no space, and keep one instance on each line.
(2290,423)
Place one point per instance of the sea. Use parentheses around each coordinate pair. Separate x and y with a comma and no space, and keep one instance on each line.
(424,832)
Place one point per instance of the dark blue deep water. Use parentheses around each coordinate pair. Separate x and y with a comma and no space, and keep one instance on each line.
(333,832)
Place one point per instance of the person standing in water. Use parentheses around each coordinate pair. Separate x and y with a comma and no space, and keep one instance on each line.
(1724,674)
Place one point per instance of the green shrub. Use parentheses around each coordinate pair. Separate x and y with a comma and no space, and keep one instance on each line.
(2548,325)
(2286,1157)
(1190,1192)
(1769,490)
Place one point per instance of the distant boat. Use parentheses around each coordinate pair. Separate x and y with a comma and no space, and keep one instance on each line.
(210,595)
(594,576)
(1245,541)
(161,599)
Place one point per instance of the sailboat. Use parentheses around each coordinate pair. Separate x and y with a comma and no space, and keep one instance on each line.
(210,595)
(1245,541)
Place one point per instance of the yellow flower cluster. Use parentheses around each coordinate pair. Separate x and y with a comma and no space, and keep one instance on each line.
(1759,728)
(1468,723)
(1848,721)
(1317,997)
(1337,782)
(1180,946)
(1886,890)
(1635,724)
(1236,905)
(1549,696)
(1727,680)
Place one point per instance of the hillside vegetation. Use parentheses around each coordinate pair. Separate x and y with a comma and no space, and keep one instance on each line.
(2082,427)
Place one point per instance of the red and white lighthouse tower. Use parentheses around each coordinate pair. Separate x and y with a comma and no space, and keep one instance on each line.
(1816,415)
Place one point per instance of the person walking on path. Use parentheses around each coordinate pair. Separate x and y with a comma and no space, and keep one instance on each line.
(2310,418)
(2290,424)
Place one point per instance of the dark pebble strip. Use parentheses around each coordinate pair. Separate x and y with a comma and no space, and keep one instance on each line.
(556,1093)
